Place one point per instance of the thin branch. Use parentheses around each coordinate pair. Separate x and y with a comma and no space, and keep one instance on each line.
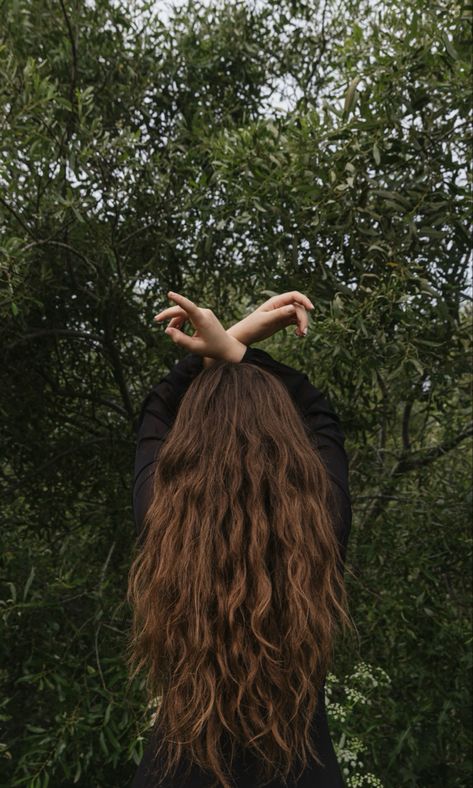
(408,462)
(73,49)
(120,378)
(383,434)
(421,458)
(71,394)
(406,441)
(356,498)
(17,217)
(62,245)
(58,457)
(136,232)
(323,47)
(65,332)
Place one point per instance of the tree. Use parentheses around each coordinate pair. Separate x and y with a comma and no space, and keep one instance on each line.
(232,149)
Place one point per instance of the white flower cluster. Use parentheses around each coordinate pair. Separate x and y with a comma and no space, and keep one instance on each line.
(360,780)
(337,711)
(356,745)
(352,765)
(355,696)
(343,698)
(370,675)
(152,709)
(330,682)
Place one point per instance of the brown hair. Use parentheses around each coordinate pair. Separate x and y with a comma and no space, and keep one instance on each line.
(237,587)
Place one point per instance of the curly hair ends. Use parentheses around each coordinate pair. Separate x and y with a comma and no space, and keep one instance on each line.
(237,589)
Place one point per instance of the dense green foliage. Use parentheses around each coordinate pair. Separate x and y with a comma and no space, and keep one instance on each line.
(228,151)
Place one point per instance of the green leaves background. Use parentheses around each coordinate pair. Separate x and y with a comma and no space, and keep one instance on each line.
(225,151)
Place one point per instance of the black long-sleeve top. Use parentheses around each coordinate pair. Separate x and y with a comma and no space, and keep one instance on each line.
(323,425)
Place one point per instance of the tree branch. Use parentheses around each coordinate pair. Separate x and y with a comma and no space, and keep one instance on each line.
(408,462)
(17,217)
(421,458)
(71,394)
(66,332)
(73,50)
(120,378)
(54,460)
(406,441)
(62,245)
(383,431)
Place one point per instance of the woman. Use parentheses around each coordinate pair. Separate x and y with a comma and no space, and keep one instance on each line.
(242,505)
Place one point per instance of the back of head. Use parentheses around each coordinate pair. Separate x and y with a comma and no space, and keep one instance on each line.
(237,590)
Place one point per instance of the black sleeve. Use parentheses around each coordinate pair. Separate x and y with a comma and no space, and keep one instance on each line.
(156,418)
(323,426)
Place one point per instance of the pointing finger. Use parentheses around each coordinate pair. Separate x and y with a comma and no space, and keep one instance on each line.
(192,309)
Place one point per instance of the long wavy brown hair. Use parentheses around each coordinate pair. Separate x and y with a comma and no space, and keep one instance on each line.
(237,586)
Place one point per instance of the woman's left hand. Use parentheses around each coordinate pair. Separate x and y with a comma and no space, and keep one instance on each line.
(210,338)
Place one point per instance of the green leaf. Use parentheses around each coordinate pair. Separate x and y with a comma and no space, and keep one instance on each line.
(103,743)
(350,96)
(393,196)
(415,363)
(450,48)
(28,583)
(428,342)
(113,739)
(107,714)
(378,248)
(78,772)
(35,728)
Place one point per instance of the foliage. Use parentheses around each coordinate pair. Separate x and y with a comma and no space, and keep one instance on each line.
(232,149)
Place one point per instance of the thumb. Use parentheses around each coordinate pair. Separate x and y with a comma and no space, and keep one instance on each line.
(182,339)
(177,336)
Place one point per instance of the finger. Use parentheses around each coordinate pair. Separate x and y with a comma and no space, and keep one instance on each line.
(302,320)
(293,296)
(192,309)
(293,313)
(183,340)
(177,322)
(300,298)
(171,311)
(283,315)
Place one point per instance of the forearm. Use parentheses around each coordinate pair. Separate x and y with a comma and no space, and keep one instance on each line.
(239,333)
(235,351)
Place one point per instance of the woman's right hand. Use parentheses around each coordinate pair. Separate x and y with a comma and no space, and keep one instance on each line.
(277,312)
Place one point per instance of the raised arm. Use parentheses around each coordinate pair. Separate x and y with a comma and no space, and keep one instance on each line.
(156,418)
(160,407)
(323,426)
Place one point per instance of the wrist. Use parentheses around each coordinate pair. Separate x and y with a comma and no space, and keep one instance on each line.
(238,332)
(233,351)
(236,350)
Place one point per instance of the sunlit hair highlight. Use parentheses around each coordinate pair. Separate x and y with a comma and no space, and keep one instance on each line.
(236,588)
